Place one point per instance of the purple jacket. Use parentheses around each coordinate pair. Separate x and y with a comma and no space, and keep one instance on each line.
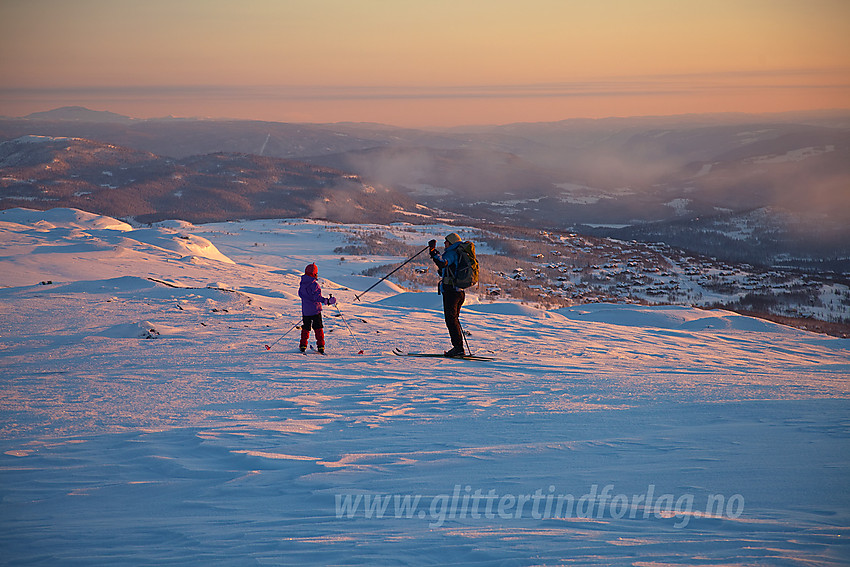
(311,296)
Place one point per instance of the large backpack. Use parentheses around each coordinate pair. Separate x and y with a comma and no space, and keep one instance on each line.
(464,272)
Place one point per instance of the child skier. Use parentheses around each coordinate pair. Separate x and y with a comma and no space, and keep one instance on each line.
(311,307)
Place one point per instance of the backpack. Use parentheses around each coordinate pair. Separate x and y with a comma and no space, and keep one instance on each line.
(464,272)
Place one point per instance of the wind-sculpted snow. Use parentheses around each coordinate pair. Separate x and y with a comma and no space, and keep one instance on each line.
(70,218)
(669,317)
(510,309)
(143,421)
(420,300)
(105,245)
(183,244)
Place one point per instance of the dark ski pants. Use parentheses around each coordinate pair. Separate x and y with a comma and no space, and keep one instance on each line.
(452,301)
(314,322)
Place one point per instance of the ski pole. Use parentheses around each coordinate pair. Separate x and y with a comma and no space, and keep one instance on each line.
(360,350)
(269,347)
(463,334)
(357,297)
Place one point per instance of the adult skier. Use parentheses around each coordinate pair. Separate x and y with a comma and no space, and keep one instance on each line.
(311,307)
(453,296)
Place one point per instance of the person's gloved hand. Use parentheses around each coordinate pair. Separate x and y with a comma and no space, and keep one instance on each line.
(332,300)
(432,245)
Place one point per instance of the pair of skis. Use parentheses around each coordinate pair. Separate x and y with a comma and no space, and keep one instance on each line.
(399,352)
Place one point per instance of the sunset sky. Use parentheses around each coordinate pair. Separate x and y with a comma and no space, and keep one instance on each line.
(423,63)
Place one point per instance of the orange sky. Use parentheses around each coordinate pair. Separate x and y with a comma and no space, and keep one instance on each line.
(423,63)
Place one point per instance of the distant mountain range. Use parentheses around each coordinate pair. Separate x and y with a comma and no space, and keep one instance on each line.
(79,114)
(684,178)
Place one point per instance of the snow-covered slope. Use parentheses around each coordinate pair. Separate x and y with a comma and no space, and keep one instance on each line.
(143,421)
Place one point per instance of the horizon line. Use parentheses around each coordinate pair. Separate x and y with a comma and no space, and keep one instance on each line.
(729,113)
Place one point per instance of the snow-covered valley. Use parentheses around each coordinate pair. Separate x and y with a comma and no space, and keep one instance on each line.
(144,421)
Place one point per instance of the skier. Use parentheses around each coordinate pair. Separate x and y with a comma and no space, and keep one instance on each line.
(453,296)
(311,307)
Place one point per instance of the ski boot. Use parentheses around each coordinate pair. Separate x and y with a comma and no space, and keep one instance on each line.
(454,352)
